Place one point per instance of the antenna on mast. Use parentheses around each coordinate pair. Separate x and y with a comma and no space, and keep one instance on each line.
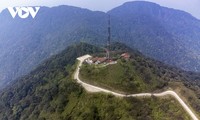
(109,38)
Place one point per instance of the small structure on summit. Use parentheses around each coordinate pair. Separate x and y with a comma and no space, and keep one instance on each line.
(100,60)
(96,60)
(126,56)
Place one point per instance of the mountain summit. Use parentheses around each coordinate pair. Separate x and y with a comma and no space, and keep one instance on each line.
(49,92)
(165,34)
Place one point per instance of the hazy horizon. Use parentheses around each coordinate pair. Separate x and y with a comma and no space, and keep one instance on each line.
(190,6)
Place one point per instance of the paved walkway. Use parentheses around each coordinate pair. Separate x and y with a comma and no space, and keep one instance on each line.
(92,88)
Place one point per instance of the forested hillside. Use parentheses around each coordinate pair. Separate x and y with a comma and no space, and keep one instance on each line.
(141,74)
(165,34)
(50,93)
(25,43)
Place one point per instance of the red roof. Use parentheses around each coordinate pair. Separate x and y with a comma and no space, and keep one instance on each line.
(101,59)
(125,55)
(94,59)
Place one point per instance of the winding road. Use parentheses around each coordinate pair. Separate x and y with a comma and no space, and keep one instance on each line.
(92,88)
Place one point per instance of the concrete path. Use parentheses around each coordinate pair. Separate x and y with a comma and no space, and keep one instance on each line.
(92,88)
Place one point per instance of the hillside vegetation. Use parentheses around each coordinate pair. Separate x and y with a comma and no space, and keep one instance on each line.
(49,93)
(122,76)
(142,74)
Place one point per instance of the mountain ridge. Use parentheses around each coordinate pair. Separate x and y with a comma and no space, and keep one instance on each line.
(49,92)
(152,29)
(26,43)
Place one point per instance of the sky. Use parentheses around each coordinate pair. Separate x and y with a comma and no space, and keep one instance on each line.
(190,6)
